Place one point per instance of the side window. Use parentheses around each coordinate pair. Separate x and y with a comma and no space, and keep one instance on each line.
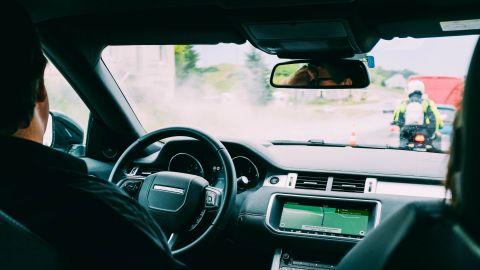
(68,120)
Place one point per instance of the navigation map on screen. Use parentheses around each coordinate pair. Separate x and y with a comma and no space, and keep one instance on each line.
(324,219)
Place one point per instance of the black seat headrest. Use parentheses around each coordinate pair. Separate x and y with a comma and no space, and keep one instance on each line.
(22,249)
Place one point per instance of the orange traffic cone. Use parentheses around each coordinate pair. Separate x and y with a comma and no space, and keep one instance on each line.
(353,136)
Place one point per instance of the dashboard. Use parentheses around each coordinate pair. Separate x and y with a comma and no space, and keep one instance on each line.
(304,198)
(338,169)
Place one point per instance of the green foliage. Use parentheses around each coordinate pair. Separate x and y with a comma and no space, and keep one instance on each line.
(223,77)
(208,69)
(259,87)
(407,73)
(285,71)
(186,59)
(319,101)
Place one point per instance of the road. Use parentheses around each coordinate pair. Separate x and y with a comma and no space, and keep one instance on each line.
(361,121)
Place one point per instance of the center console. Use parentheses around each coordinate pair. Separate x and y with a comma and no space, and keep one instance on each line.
(331,219)
(284,260)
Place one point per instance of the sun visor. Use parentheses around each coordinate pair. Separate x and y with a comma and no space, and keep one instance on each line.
(303,39)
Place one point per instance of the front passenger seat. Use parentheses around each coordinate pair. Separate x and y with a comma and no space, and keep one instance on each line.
(435,235)
(22,249)
(424,235)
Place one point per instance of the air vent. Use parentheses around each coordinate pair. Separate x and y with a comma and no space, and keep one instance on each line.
(348,183)
(311,181)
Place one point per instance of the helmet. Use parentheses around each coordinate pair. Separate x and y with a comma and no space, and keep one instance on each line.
(415,85)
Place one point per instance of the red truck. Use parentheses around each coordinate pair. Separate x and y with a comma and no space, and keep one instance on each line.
(443,89)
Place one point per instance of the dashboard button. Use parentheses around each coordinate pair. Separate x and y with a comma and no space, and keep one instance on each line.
(274,180)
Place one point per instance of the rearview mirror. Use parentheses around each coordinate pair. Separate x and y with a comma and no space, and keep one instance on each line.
(333,74)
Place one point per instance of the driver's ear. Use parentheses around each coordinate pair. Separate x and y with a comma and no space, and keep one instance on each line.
(42,91)
(455,162)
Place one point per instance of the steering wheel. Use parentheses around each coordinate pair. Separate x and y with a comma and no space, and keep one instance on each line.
(177,201)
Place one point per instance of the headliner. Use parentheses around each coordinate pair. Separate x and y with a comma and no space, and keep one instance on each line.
(214,21)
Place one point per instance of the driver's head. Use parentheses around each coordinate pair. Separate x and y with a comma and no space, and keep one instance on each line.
(24,93)
(332,76)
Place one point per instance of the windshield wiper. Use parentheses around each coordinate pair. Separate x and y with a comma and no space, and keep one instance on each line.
(319,142)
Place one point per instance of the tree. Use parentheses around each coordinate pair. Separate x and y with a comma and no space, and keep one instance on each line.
(407,73)
(186,59)
(260,86)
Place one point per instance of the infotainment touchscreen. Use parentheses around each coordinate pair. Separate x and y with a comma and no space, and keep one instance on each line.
(324,219)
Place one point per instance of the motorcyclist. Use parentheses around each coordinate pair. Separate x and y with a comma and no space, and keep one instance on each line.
(430,120)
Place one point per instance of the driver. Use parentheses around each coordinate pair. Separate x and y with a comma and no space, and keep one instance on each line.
(90,222)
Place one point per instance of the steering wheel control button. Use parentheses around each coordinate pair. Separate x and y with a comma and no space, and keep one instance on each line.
(212,198)
(274,180)
(132,187)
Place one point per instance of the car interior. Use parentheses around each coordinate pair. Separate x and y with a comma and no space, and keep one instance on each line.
(256,204)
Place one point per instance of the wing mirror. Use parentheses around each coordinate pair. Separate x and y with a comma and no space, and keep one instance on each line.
(64,134)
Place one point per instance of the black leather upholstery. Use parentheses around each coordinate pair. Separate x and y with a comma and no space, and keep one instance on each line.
(469,192)
(22,249)
(423,235)
(90,222)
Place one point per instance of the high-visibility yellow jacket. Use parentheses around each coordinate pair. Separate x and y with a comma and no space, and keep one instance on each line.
(431,114)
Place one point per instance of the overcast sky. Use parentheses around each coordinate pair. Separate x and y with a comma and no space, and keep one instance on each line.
(448,56)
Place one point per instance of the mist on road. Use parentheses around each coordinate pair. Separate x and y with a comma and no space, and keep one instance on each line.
(335,122)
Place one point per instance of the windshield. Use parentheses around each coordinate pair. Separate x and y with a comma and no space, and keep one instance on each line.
(224,90)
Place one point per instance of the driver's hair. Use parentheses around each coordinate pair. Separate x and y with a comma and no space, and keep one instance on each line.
(24,64)
(454,162)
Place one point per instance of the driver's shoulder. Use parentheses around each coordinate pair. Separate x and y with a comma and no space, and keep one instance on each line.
(109,195)
(91,221)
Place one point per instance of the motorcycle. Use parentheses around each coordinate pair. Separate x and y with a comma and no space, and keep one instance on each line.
(418,138)
(415,133)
